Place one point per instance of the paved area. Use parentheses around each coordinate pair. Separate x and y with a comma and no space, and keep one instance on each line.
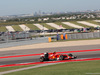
(97,20)
(54,44)
(72,25)
(88,24)
(41,27)
(10,28)
(55,26)
(31,59)
(24,27)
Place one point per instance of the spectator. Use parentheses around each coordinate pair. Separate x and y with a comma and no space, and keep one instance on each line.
(57,36)
(64,36)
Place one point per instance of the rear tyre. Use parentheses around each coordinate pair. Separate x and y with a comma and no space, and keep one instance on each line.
(41,59)
(61,57)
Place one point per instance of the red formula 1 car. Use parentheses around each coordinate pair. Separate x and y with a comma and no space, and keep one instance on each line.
(55,56)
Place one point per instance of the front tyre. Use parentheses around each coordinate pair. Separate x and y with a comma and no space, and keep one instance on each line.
(41,59)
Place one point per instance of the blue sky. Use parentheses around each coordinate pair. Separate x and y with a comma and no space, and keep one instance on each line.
(13,7)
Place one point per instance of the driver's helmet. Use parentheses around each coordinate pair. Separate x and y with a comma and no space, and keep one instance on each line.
(45,53)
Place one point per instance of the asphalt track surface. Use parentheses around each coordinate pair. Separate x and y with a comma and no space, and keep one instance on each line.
(30,59)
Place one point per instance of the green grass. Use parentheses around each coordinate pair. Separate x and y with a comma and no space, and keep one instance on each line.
(63,25)
(71,68)
(47,26)
(10,23)
(32,27)
(17,28)
(2,69)
(75,22)
(3,28)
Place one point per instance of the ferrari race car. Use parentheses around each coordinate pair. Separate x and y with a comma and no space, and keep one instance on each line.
(55,56)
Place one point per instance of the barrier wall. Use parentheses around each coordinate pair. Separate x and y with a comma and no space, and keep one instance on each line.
(80,36)
(84,35)
(11,36)
(24,42)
